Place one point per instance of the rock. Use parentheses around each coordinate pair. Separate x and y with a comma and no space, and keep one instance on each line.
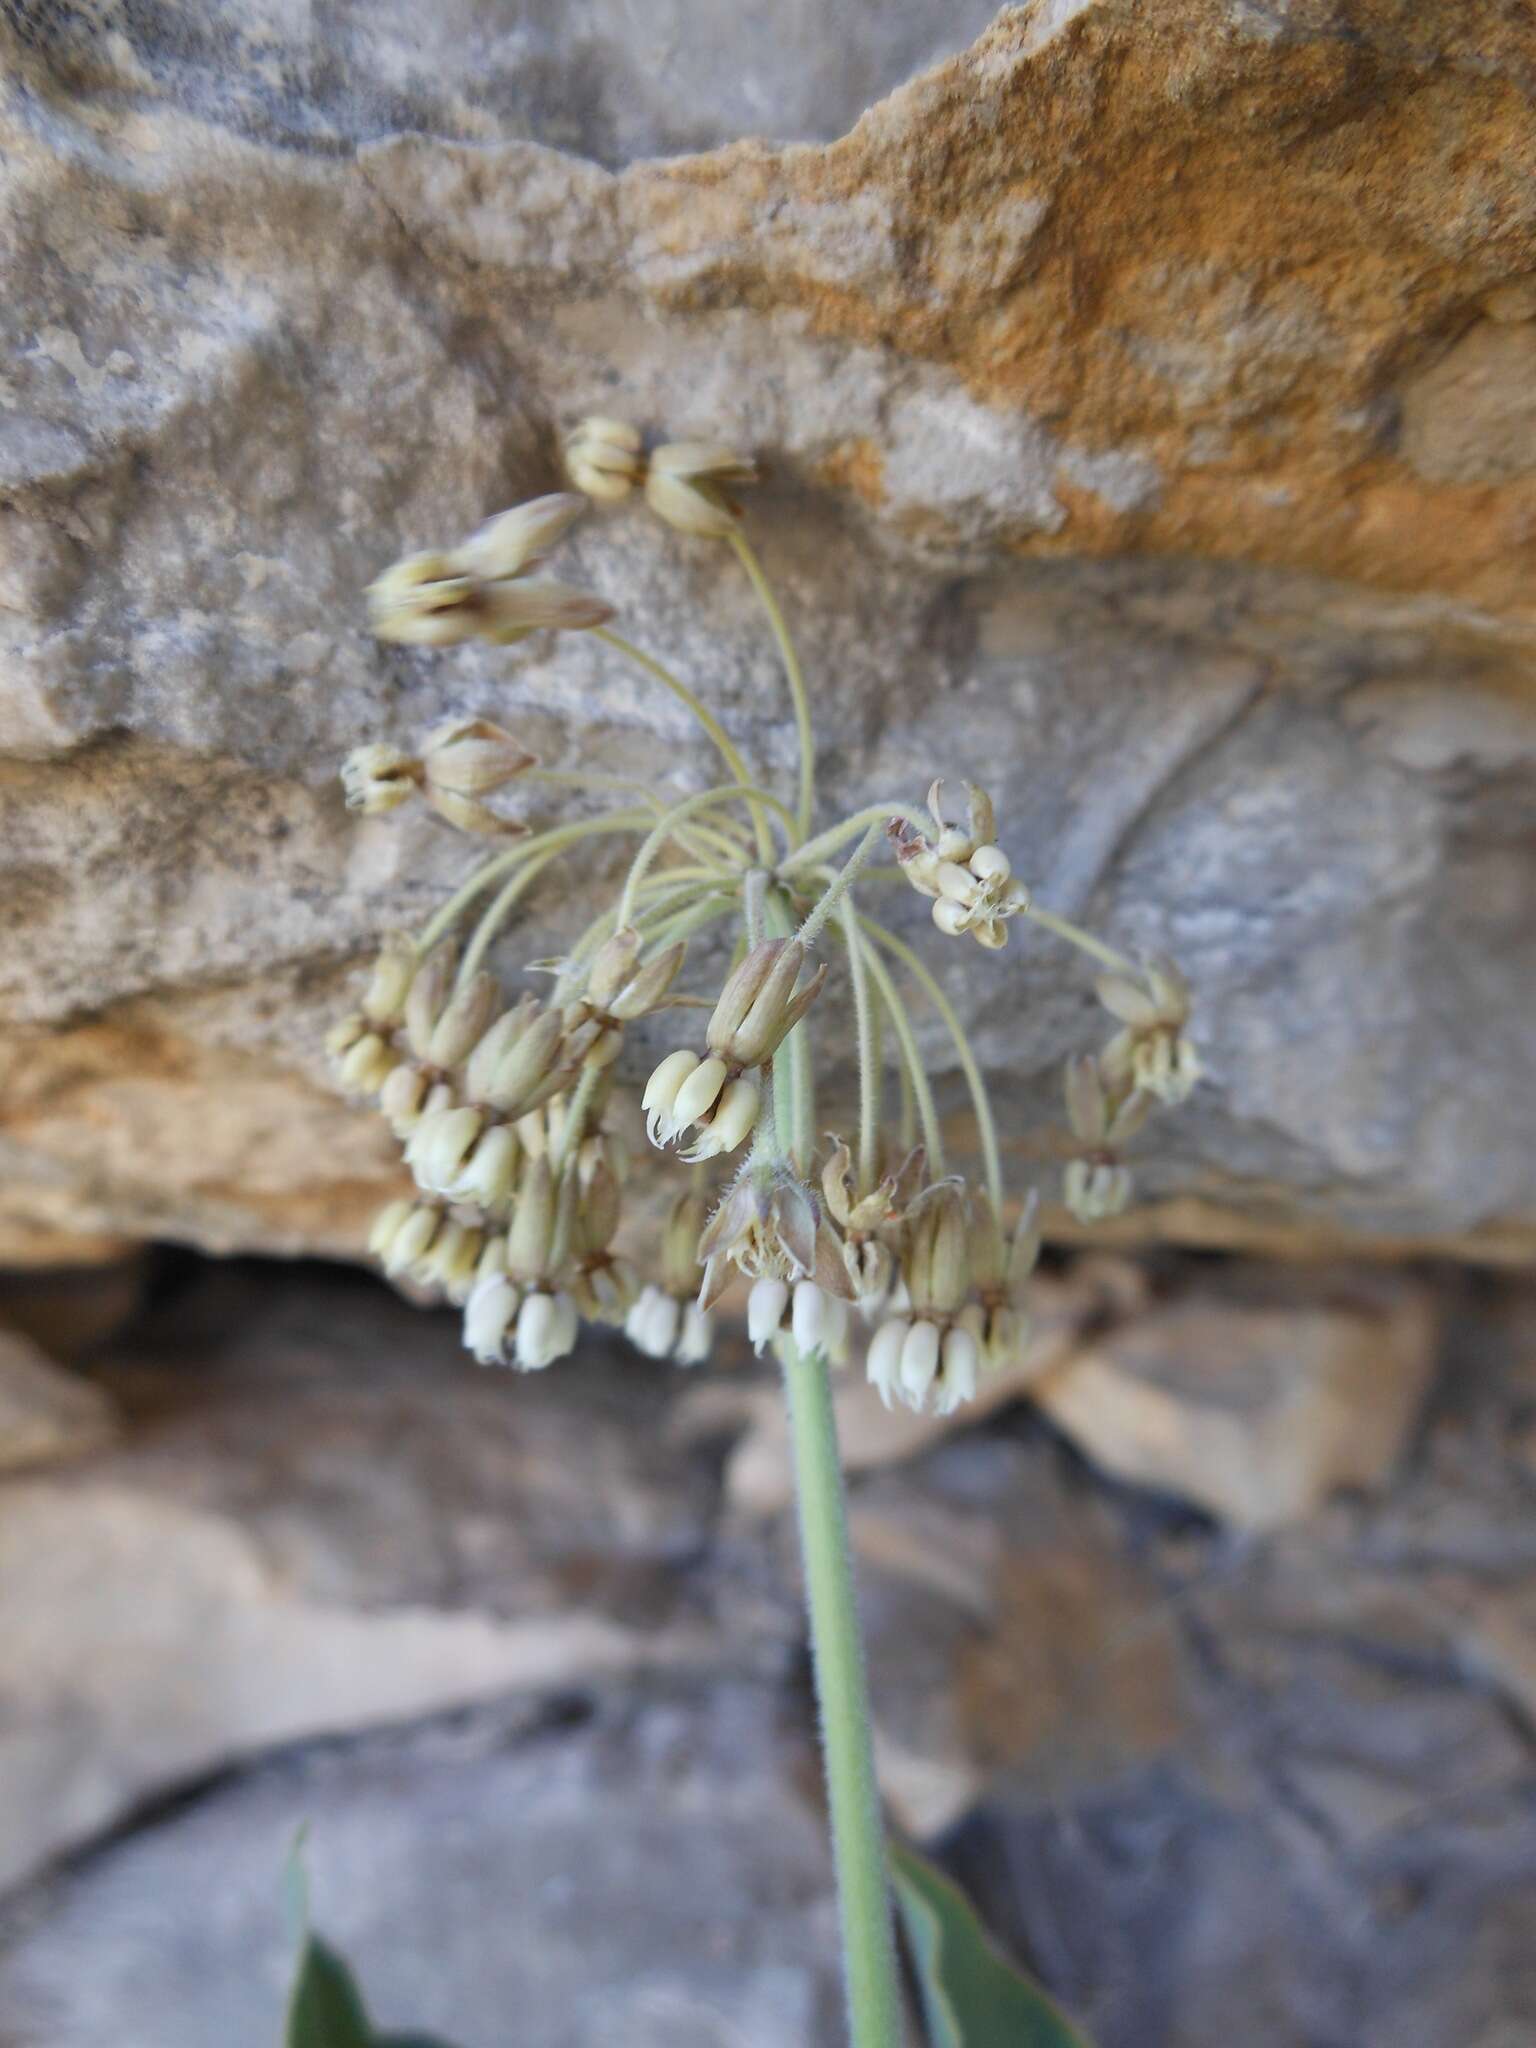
(468,1875)
(759,1479)
(46,1413)
(1110,449)
(1256,1408)
(1007,1634)
(322,1517)
(69,1309)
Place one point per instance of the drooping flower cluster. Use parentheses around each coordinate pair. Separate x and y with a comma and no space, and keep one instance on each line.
(509,1110)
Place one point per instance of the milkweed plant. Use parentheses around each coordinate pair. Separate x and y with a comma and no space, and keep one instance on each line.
(505,1108)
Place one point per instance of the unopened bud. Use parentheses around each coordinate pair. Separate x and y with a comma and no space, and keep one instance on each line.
(518,540)
(603,459)
(375,779)
(687,484)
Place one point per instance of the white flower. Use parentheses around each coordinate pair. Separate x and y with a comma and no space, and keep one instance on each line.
(652,1325)
(766,1304)
(489,1314)
(546,1330)
(1152,1052)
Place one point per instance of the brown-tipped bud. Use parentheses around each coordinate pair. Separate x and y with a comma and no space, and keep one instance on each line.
(597,1206)
(758,1006)
(511,543)
(613,965)
(528,1071)
(688,485)
(531,1234)
(473,757)
(423,602)
(429,993)
(480,1071)
(509,612)
(647,988)
(390,982)
(936,1263)
(464,1022)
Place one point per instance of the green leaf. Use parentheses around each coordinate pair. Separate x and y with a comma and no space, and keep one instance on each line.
(325,2007)
(972,1996)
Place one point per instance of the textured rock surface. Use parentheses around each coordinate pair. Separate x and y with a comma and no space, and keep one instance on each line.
(1215,1786)
(329,1522)
(1145,407)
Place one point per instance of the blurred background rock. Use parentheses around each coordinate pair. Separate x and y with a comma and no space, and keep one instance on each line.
(1147,400)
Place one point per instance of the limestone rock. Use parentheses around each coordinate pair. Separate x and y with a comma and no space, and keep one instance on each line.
(45,1412)
(1254,1400)
(1139,401)
(499,1869)
(317,1532)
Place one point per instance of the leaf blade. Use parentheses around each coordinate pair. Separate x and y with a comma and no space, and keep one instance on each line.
(973,1997)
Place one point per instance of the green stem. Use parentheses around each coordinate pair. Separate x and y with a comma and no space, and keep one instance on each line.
(981,1101)
(828,842)
(666,825)
(836,889)
(660,673)
(867,1030)
(792,1061)
(912,1062)
(496,916)
(842,1693)
(753,896)
(1084,941)
(482,878)
(792,674)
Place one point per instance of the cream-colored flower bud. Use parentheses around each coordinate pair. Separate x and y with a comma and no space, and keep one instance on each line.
(465,1019)
(546,1330)
(412,1239)
(489,1315)
(368,1064)
(423,602)
(1152,1052)
(619,986)
(386,1226)
(882,1362)
(389,984)
(990,864)
(936,1259)
(449,1262)
(403,1097)
(732,1123)
(377,778)
(700,1091)
(481,1065)
(766,1304)
(429,994)
(653,1323)
(489,1173)
(534,1067)
(758,1007)
(493,1255)
(440,1145)
(687,483)
(531,1234)
(513,542)
(603,458)
(474,757)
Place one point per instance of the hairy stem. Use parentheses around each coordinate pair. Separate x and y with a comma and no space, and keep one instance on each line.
(836,890)
(792,675)
(826,843)
(795,1053)
(912,1062)
(842,1693)
(499,864)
